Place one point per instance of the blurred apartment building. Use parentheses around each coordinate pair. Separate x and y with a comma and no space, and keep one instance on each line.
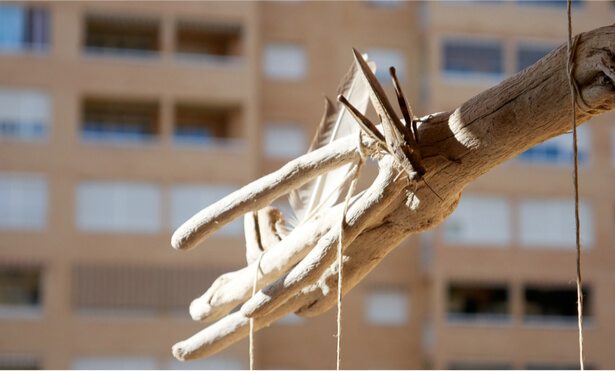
(118,121)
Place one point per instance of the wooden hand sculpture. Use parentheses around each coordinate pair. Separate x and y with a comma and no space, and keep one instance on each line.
(296,271)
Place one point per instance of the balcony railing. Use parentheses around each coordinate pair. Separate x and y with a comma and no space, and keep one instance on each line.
(119,121)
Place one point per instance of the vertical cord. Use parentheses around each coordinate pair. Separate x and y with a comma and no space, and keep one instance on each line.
(251,344)
(340,256)
(258,267)
(570,67)
(339,293)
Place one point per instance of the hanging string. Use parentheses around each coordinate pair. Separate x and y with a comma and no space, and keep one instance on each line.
(258,268)
(351,189)
(573,93)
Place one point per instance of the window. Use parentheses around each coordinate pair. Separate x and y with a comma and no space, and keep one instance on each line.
(23,201)
(121,36)
(387,307)
(549,223)
(204,125)
(291,319)
(20,290)
(24,114)
(385,58)
(385,3)
(479,365)
(114,363)
(284,62)
(473,2)
(428,338)
(427,249)
(104,206)
(284,141)
(211,42)
(558,150)
(477,303)
(209,363)
(187,200)
(23,28)
(114,290)
(119,121)
(19,362)
(479,220)
(555,305)
(549,3)
(473,58)
(556,366)
(530,54)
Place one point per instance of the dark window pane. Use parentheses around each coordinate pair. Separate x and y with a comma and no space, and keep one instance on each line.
(37,28)
(552,3)
(465,57)
(477,302)
(19,362)
(528,55)
(208,38)
(479,365)
(555,366)
(124,36)
(20,286)
(118,120)
(206,124)
(553,304)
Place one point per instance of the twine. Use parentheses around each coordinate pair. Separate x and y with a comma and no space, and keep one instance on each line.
(574,91)
(340,244)
(258,268)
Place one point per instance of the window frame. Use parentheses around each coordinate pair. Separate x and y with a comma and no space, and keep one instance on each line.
(115,192)
(472,76)
(23,99)
(544,204)
(469,200)
(34,217)
(455,318)
(373,302)
(292,128)
(24,45)
(24,310)
(383,61)
(273,50)
(220,190)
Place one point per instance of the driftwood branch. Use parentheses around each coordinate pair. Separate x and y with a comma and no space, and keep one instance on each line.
(267,189)
(457,147)
(381,193)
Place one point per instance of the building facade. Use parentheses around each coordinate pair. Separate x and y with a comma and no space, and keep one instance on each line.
(118,121)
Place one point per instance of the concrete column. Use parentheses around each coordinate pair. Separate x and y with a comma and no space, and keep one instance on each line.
(167,38)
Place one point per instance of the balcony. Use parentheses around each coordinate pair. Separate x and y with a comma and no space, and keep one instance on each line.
(20,291)
(110,291)
(208,43)
(120,121)
(555,306)
(207,125)
(477,304)
(122,37)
